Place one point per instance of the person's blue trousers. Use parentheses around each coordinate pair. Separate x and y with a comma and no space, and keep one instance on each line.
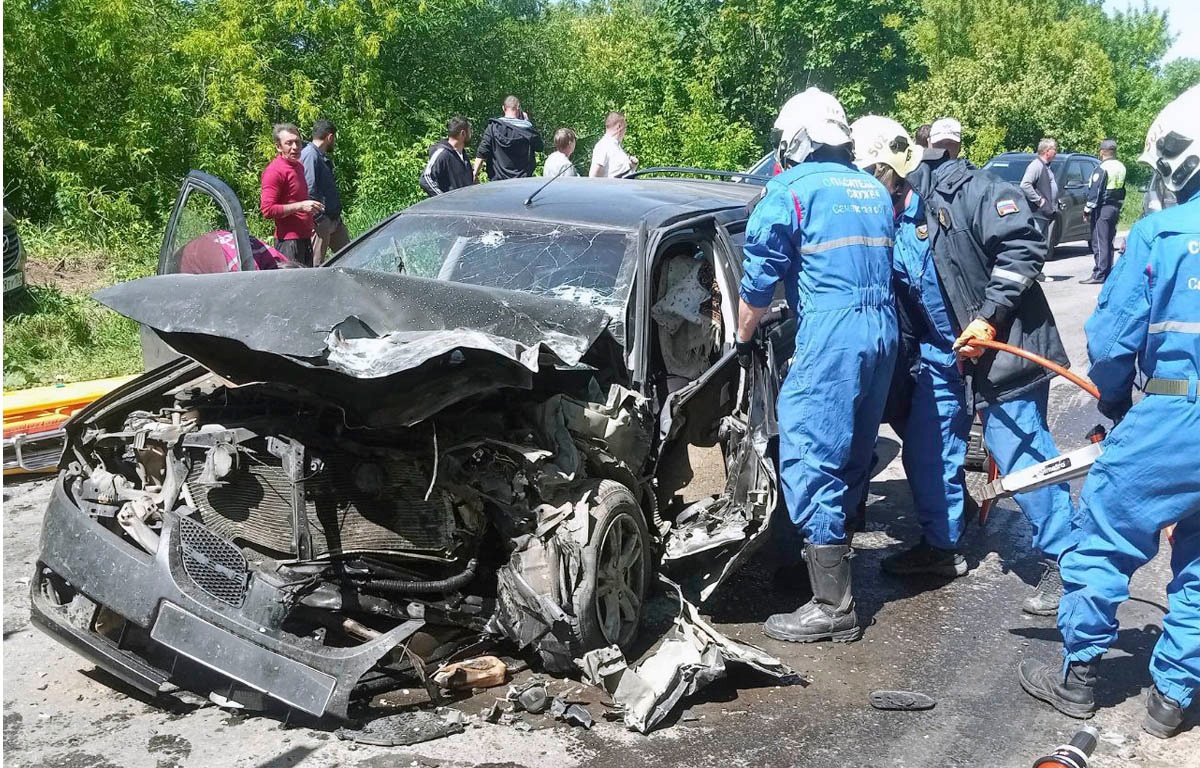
(935,447)
(1017,436)
(829,410)
(1147,479)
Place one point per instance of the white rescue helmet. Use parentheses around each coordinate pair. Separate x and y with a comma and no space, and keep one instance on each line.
(806,120)
(1173,141)
(882,140)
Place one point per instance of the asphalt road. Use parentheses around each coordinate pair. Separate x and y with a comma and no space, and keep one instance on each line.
(958,642)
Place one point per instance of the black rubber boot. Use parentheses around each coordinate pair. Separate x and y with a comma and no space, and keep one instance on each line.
(925,558)
(1045,598)
(1164,716)
(1073,696)
(830,614)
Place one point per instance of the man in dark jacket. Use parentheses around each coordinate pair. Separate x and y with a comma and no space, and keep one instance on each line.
(987,252)
(509,145)
(449,167)
(1106,195)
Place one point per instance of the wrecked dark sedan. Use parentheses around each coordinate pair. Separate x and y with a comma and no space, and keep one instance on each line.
(471,427)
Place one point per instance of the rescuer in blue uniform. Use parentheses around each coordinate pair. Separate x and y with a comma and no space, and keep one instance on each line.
(988,252)
(1148,478)
(928,407)
(824,230)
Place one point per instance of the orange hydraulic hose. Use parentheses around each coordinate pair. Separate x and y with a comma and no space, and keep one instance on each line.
(1074,378)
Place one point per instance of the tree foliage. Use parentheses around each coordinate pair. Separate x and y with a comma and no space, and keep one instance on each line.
(108,103)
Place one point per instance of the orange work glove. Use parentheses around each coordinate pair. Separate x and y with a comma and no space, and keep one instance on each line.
(976,329)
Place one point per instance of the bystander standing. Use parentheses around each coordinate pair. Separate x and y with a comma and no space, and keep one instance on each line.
(284,197)
(509,145)
(329,231)
(449,165)
(609,158)
(559,162)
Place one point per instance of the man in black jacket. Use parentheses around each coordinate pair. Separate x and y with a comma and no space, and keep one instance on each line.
(449,167)
(987,251)
(509,145)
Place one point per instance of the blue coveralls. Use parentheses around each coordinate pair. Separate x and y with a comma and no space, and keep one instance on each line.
(1147,318)
(825,230)
(938,423)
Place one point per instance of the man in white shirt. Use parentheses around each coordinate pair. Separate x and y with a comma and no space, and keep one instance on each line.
(609,158)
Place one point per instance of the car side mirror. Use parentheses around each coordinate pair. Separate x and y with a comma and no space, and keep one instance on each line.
(1074,185)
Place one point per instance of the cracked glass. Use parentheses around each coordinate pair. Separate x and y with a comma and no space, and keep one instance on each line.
(588,266)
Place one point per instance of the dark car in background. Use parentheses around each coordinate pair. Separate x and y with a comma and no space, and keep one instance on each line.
(1073,172)
(14,255)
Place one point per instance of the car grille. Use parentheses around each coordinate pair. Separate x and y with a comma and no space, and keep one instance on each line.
(214,564)
(12,249)
(253,505)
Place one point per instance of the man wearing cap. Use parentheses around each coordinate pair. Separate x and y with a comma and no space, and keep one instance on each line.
(946,134)
(987,252)
(1106,195)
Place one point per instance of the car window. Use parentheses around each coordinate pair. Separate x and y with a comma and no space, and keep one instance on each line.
(582,264)
(1008,169)
(1076,175)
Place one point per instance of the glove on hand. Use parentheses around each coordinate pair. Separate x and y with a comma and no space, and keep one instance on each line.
(745,352)
(1115,411)
(976,329)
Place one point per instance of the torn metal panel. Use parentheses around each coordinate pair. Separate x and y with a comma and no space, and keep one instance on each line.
(693,655)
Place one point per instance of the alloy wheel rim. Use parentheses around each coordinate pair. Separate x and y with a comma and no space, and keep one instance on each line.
(620,580)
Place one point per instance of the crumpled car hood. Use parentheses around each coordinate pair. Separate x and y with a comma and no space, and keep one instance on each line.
(394,348)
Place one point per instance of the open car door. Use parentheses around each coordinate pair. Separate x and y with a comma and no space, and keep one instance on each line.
(206,233)
(733,408)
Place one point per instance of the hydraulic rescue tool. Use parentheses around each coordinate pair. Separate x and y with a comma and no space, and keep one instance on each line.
(1061,468)
(1073,754)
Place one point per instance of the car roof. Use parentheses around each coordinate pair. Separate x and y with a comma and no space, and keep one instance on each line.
(604,203)
(1031,155)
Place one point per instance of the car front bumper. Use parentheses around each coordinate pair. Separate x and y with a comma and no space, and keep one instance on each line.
(85,570)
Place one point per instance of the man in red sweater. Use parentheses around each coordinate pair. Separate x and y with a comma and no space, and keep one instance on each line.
(285,197)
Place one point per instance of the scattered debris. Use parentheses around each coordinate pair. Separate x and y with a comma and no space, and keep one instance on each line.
(574,714)
(692,656)
(530,697)
(905,701)
(480,672)
(406,728)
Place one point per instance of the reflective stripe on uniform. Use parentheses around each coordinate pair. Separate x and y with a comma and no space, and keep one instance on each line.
(1012,277)
(1178,387)
(845,242)
(1174,326)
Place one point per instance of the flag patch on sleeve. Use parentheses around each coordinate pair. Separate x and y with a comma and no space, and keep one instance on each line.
(1005,207)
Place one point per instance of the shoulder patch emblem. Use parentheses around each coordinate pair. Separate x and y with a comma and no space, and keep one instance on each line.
(1096,176)
(923,232)
(1005,207)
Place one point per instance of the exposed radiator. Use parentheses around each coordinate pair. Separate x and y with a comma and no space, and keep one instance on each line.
(352,504)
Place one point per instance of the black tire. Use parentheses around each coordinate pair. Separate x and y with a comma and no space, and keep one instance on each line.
(617,523)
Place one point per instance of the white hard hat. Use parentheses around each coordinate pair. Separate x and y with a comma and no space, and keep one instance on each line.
(945,129)
(880,139)
(806,120)
(1173,141)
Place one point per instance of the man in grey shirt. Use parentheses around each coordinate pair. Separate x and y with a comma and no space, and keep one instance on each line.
(1040,186)
(329,232)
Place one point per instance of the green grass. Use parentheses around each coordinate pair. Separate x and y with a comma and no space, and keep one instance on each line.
(51,337)
(54,333)
(1132,210)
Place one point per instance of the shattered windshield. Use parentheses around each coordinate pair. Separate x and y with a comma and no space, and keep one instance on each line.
(582,264)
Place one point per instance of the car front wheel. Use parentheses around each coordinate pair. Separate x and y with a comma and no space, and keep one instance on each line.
(616,570)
